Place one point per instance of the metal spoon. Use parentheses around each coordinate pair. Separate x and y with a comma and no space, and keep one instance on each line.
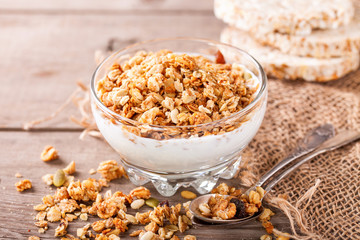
(277,173)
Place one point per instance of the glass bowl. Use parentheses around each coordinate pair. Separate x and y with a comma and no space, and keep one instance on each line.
(175,156)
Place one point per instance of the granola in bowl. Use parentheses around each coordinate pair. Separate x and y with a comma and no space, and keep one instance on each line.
(175,112)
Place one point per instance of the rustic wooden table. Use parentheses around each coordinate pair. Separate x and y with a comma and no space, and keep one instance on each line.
(46,46)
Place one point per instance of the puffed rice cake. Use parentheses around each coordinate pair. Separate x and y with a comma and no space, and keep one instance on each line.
(298,17)
(281,65)
(320,43)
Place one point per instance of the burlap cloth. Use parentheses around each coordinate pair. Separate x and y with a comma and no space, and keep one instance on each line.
(294,107)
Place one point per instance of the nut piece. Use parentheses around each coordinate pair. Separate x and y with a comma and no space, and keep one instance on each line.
(138,203)
(188,195)
(23,185)
(219,57)
(152,202)
(70,169)
(147,236)
(59,178)
(49,153)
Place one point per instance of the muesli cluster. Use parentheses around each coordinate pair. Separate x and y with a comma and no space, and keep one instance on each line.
(78,200)
(230,203)
(170,89)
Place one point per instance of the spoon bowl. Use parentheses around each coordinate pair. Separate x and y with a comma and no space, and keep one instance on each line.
(194,209)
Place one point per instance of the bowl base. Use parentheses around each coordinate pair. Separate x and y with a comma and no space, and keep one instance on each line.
(167,184)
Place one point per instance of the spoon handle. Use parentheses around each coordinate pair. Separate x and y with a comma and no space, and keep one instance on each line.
(312,140)
(339,140)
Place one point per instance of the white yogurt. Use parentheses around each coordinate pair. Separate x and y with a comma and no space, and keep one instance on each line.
(180,155)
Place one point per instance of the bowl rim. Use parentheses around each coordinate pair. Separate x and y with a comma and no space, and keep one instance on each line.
(263,81)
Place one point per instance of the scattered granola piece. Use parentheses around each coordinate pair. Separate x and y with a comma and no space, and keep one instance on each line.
(111,170)
(75,191)
(40,207)
(61,229)
(266,214)
(265,237)
(152,226)
(182,224)
(41,224)
(49,153)
(83,217)
(143,218)
(23,185)
(189,237)
(54,214)
(40,216)
(92,171)
(70,168)
(33,238)
(48,179)
(70,217)
(120,224)
(81,232)
(175,238)
(140,193)
(188,195)
(113,237)
(48,200)
(98,226)
(268,227)
(136,233)
(18,175)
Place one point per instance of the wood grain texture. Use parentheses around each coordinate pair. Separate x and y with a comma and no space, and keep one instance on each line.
(21,153)
(45,55)
(84,6)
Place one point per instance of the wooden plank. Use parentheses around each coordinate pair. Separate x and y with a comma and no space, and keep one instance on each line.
(83,6)
(20,153)
(43,56)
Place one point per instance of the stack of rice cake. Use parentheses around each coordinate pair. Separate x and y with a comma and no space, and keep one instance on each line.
(314,40)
